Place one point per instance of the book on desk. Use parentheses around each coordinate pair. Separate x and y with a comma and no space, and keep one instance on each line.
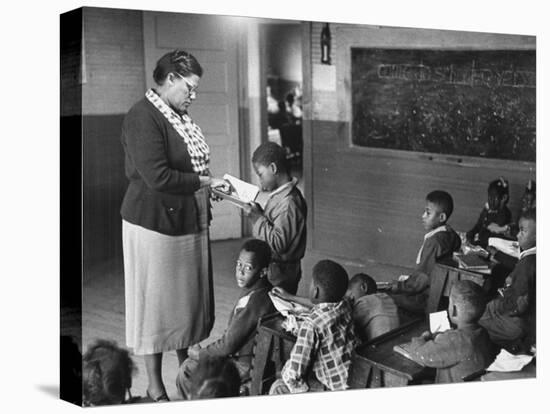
(471,262)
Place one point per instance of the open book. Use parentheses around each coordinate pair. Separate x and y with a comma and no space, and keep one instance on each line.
(241,192)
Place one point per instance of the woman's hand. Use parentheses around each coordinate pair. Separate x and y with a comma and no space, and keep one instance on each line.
(220,184)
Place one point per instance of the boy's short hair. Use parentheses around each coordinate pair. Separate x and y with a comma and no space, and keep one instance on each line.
(529,214)
(443,200)
(332,278)
(215,376)
(106,373)
(363,278)
(261,250)
(499,186)
(469,298)
(270,152)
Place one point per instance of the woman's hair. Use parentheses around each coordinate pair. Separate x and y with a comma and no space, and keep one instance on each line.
(261,250)
(177,61)
(215,377)
(106,373)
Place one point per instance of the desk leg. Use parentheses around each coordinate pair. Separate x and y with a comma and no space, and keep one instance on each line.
(261,353)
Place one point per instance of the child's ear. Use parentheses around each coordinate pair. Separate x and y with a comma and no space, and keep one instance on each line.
(442,217)
(364,287)
(454,313)
(316,292)
(263,272)
(273,168)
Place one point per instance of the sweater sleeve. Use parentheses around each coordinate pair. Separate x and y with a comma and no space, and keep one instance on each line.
(419,280)
(146,147)
(240,328)
(441,352)
(477,227)
(286,225)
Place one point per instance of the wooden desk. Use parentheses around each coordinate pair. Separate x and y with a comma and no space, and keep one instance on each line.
(442,278)
(375,364)
(273,345)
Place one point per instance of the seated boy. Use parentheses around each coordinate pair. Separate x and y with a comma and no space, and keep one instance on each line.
(215,377)
(106,374)
(283,222)
(238,339)
(457,353)
(510,318)
(439,243)
(321,355)
(374,313)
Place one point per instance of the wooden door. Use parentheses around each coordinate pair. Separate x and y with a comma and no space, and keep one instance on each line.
(213,41)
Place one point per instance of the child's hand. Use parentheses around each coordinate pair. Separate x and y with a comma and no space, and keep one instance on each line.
(495,228)
(193,352)
(253,210)
(394,286)
(283,294)
(426,335)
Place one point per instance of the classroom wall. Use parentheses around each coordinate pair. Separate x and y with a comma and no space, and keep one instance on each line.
(113,79)
(371,201)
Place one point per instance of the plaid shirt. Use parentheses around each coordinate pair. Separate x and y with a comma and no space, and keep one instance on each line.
(324,343)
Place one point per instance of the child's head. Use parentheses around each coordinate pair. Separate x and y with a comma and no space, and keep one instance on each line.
(439,207)
(329,282)
(270,163)
(215,377)
(106,373)
(252,263)
(527,235)
(529,198)
(497,193)
(360,285)
(466,302)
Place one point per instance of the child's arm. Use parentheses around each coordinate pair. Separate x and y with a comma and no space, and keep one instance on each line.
(283,294)
(288,223)
(441,352)
(295,370)
(240,328)
(477,227)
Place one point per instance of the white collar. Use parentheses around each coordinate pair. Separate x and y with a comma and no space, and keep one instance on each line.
(434,231)
(283,187)
(528,252)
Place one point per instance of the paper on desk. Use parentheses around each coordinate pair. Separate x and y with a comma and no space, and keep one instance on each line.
(507,362)
(402,278)
(509,247)
(439,322)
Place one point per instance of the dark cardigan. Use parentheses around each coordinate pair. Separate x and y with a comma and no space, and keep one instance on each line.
(160,195)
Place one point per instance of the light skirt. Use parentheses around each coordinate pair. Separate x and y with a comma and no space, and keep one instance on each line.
(168,289)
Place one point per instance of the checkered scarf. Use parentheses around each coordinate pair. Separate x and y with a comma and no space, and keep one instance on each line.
(190,132)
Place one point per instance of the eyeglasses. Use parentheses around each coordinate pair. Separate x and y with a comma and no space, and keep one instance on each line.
(192,88)
(246,267)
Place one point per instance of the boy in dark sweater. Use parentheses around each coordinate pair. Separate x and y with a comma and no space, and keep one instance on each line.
(282,224)
(510,318)
(439,243)
(457,353)
(253,303)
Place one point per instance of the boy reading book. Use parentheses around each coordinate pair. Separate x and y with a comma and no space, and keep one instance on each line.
(459,352)
(510,318)
(282,224)
(238,339)
(439,243)
(374,313)
(321,355)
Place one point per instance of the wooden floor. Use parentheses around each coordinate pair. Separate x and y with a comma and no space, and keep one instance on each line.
(103,304)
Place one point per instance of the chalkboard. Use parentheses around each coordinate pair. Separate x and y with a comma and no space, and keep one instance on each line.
(458,102)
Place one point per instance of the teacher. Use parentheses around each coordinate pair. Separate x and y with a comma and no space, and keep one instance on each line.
(165,219)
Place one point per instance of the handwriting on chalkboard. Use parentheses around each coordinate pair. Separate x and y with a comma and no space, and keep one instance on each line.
(457,102)
(451,75)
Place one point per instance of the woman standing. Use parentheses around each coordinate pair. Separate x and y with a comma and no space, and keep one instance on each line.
(166,214)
